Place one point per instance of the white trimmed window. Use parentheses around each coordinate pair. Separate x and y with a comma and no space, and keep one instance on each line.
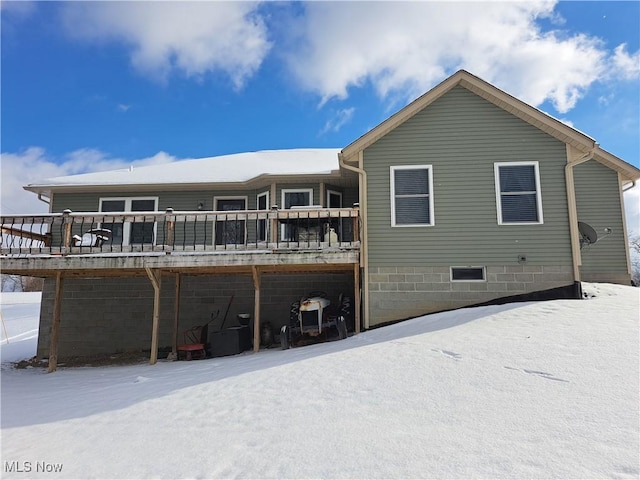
(411,196)
(518,195)
(262,203)
(297,197)
(233,230)
(130,233)
(334,199)
(291,198)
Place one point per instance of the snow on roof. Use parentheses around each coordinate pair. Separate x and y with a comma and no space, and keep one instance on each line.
(239,167)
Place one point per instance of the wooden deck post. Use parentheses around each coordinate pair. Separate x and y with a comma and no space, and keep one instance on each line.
(176,315)
(356,225)
(156,280)
(171,226)
(256,309)
(356,294)
(66,235)
(55,326)
(273,225)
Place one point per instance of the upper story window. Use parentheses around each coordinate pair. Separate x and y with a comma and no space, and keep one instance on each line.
(233,230)
(334,199)
(518,195)
(130,233)
(412,196)
(291,198)
(297,197)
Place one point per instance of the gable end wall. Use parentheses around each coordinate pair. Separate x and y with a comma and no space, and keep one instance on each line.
(461,135)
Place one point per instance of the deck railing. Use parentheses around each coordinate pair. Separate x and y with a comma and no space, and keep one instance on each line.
(130,232)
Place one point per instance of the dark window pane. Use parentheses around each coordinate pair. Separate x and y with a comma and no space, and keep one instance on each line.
(143,205)
(411,181)
(262,224)
(517,178)
(412,210)
(141,233)
(116,233)
(335,200)
(227,205)
(296,199)
(519,208)
(112,206)
(230,232)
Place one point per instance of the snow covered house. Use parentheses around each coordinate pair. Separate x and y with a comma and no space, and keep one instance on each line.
(465,196)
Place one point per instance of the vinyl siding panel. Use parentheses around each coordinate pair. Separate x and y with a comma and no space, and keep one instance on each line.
(598,203)
(461,136)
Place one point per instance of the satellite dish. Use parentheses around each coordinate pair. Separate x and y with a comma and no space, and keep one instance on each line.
(588,234)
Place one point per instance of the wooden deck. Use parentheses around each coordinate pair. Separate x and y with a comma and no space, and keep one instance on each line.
(159,244)
(314,239)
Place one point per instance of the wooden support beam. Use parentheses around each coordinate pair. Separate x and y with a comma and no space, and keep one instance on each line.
(256,309)
(356,295)
(67,222)
(176,315)
(55,326)
(156,280)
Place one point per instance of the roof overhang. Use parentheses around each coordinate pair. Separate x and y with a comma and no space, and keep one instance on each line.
(520,109)
(247,170)
(338,177)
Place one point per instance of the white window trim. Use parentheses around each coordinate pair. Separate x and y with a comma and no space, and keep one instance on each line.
(230,197)
(333,192)
(284,191)
(263,194)
(432,219)
(496,173)
(126,229)
(484,274)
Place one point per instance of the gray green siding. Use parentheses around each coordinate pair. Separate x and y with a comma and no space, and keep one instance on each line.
(598,203)
(461,136)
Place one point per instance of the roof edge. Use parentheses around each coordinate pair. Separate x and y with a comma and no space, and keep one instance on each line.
(628,171)
(44,188)
(487,91)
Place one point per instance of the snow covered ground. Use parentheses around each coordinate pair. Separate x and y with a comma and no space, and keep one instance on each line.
(529,390)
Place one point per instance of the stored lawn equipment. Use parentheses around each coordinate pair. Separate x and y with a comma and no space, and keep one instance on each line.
(312,317)
(196,339)
(194,346)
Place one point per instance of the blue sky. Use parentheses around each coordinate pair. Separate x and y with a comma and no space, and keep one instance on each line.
(94,86)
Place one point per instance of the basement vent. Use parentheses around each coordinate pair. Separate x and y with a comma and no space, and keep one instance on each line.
(468,274)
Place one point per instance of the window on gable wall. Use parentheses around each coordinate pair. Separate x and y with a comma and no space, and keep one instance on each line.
(518,195)
(412,196)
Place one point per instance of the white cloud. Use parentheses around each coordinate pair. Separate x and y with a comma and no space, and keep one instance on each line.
(193,38)
(121,107)
(341,118)
(632,209)
(33,165)
(403,49)
(626,65)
